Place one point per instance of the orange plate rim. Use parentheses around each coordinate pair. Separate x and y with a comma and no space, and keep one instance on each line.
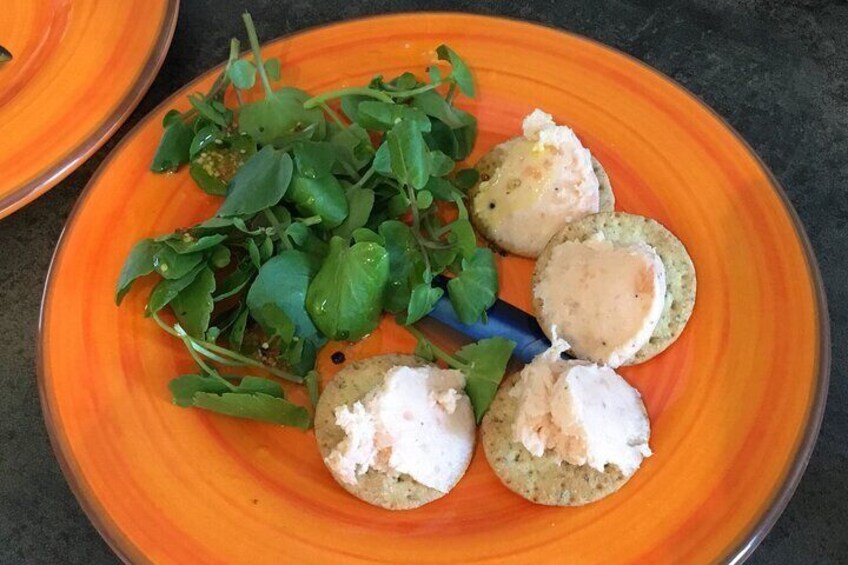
(749,540)
(23,195)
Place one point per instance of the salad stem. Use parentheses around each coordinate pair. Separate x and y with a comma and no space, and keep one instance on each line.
(333,115)
(437,352)
(195,346)
(275,223)
(367,175)
(414,91)
(316,101)
(257,53)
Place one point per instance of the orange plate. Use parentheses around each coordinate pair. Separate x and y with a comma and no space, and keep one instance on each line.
(735,404)
(79,69)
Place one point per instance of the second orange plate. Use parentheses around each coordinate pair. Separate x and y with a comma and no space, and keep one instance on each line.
(735,404)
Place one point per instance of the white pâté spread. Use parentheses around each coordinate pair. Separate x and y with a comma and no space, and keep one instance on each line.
(545,180)
(606,298)
(419,422)
(581,412)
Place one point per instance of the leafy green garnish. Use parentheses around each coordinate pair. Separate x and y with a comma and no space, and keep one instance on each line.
(323,197)
(483,363)
(281,286)
(139,263)
(174,147)
(346,296)
(253,398)
(329,218)
(475,289)
(193,305)
(259,184)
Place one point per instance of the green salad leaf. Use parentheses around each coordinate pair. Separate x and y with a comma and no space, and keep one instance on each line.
(346,296)
(475,289)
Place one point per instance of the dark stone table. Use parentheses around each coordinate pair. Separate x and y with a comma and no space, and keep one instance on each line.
(776,70)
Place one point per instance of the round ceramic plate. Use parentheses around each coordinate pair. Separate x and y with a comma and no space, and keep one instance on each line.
(79,69)
(735,404)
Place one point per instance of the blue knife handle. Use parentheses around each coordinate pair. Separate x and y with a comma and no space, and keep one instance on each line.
(504,320)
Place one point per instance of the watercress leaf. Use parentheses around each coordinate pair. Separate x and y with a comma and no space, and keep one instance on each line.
(283,282)
(383,116)
(322,196)
(274,322)
(279,116)
(383,160)
(266,249)
(406,264)
(168,289)
(253,253)
(243,74)
(207,183)
(459,70)
(408,153)
(140,262)
(475,289)
(398,205)
(172,265)
(251,384)
(442,138)
(272,69)
(298,233)
(315,246)
(462,236)
(434,73)
(360,201)
(260,183)
(236,336)
(208,111)
(352,147)
(404,81)
(240,144)
(440,164)
(466,178)
(311,381)
(365,234)
(202,139)
(184,388)
(345,298)
(441,258)
(466,135)
(422,300)
(171,116)
(255,406)
(485,363)
(189,244)
(423,199)
(217,162)
(441,189)
(173,149)
(432,104)
(313,158)
(193,305)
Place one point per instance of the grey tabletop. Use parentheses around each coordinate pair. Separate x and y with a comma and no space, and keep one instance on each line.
(776,70)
